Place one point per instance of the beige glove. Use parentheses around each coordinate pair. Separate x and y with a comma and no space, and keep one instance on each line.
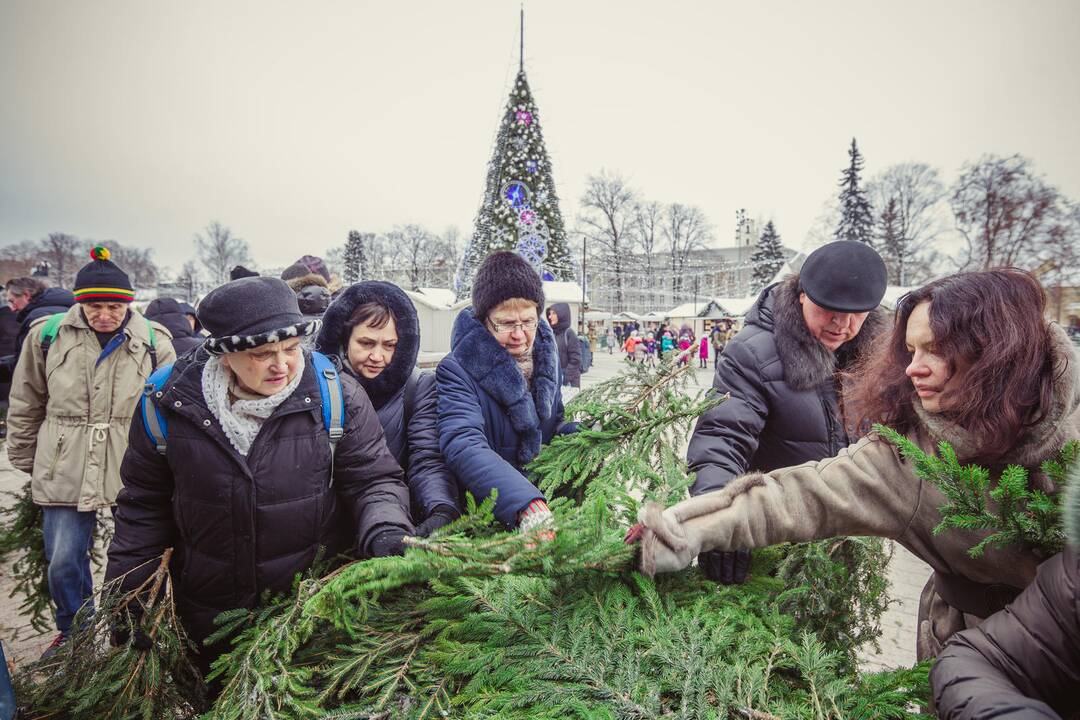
(672,538)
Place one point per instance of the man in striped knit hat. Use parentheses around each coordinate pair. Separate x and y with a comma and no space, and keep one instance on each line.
(75,389)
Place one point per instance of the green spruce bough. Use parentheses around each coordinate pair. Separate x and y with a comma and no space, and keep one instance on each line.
(21,534)
(475,622)
(1012,512)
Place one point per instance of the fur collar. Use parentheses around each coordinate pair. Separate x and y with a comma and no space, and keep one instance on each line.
(332,339)
(1038,442)
(492,368)
(807,363)
(299,283)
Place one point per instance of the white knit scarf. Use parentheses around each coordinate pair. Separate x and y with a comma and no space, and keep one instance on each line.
(242,419)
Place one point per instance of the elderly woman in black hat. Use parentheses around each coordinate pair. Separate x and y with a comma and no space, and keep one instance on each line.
(249,482)
(372,332)
(499,396)
(783,373)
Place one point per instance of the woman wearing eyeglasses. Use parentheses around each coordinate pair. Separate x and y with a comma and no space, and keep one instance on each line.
(499,397)
(970,361)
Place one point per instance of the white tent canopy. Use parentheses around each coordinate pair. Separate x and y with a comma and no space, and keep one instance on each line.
(736,306)
(567,292)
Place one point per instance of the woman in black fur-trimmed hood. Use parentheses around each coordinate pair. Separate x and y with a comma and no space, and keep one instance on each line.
(372,331)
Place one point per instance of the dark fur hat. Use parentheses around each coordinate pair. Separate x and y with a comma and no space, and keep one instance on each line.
(502,276)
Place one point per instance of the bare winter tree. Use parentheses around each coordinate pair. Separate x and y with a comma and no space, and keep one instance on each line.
(1004,212)
(219,250)
(138,263)
(607,218)
(416,246)
(65,254)
(648,221)
(916,195)
(685,229)
(188,280)
(18,259)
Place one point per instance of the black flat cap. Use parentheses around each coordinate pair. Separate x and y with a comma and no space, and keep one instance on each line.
(845,276)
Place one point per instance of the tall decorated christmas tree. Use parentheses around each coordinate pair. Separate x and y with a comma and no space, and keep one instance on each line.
(520,210)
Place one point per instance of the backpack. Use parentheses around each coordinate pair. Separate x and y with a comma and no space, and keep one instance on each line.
(51,328)
(333,403)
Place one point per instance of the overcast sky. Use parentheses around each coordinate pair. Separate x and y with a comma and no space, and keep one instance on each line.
(294,122)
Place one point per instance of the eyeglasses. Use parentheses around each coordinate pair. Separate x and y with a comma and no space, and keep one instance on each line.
(506,329)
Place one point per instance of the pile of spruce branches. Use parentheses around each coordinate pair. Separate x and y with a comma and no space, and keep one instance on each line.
(475,622)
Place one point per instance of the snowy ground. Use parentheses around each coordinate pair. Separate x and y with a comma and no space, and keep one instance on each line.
(907,573)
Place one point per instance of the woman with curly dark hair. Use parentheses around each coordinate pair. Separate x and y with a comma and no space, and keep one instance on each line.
(970,361)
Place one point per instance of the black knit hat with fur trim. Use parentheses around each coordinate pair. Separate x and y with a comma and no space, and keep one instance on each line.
(250,312)
(502,276)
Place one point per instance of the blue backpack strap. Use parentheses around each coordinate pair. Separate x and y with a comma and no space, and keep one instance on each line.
(333,402)
(157,429)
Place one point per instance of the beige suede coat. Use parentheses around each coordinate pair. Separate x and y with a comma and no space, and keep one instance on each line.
(68,419)
(869,490)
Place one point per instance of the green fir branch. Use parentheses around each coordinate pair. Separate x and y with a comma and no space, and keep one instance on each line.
(1006,512)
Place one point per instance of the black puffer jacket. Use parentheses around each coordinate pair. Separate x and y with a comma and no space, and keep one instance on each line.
(784,407)
(240,525)
(51,301)
(431,483)
(1024,661)
(569,347)
(172,315)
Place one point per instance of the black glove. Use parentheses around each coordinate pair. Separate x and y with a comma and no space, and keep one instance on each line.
(388,542)
(726,568)
(441,516)
(121,633)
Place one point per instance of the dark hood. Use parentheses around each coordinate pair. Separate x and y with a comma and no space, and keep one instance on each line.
(57,298)
(171,314)
(332,337)
(563,311)
(189,309)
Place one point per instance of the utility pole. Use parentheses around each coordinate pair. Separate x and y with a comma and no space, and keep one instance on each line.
(584,283)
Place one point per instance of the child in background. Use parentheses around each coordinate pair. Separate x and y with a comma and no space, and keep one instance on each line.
(667,345)
(703,352)
(631,345)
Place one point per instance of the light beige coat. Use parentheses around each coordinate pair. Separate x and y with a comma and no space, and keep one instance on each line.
(869,490)
(68,420)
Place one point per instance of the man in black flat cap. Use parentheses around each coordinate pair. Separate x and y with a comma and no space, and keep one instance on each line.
(783,373)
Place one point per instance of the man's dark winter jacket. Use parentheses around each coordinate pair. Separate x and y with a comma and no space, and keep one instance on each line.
(569,346)
(784,407)
(431,483)
(1024,661)
(172,315)
(491,423)
(49,302)
(244,525)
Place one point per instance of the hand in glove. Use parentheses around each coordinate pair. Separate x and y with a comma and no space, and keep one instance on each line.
(122,632)
(388,542)
(534,517)
(440,516)
(665,546)
(726,568)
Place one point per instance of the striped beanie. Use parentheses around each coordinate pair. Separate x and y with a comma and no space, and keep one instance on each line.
(102,281)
